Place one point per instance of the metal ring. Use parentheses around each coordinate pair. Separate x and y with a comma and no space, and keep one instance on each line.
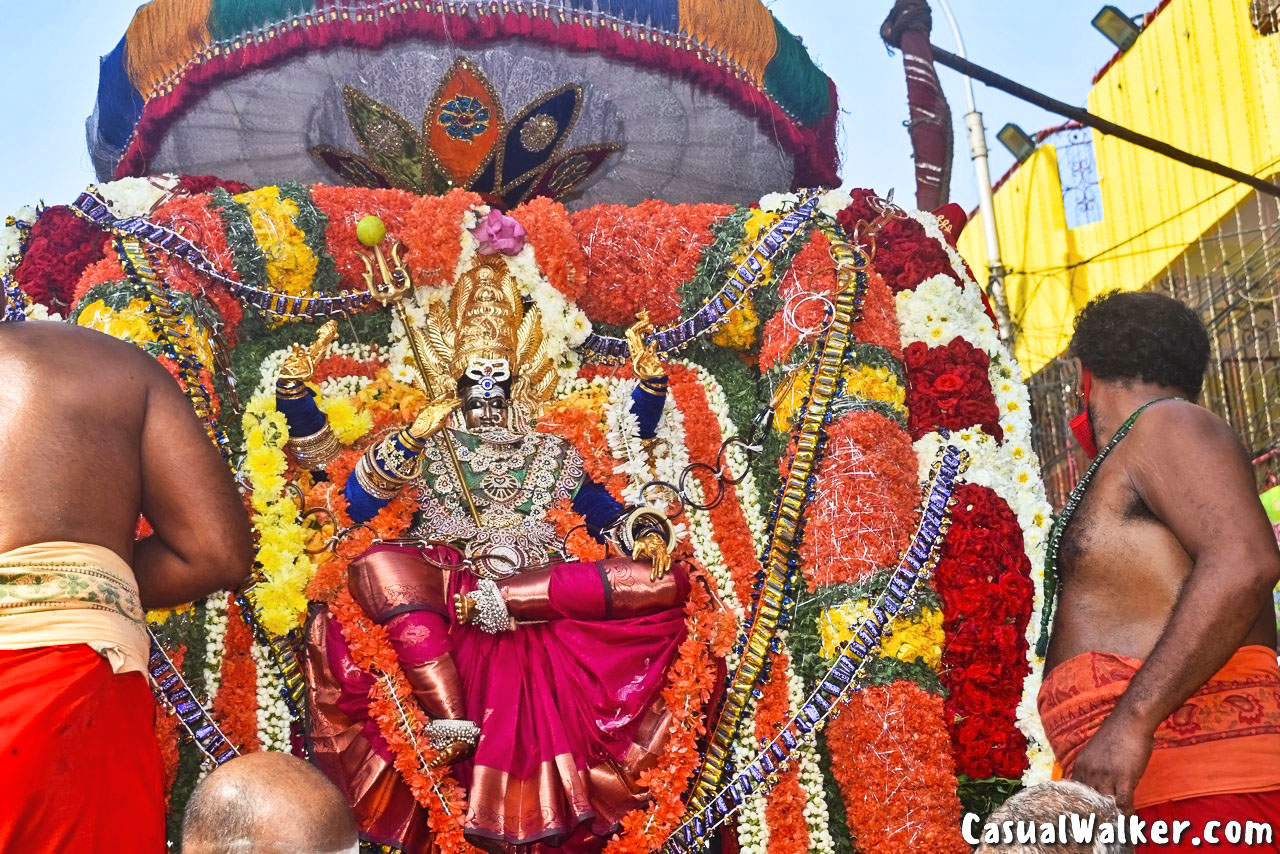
(723,462)
(684,490)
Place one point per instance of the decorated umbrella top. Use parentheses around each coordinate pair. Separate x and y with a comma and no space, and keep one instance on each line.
(598,101)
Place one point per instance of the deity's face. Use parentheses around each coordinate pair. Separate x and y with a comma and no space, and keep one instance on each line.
(485,413)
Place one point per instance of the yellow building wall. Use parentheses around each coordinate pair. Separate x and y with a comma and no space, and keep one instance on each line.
(1200,78)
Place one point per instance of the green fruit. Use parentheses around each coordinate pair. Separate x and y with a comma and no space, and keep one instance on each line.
(370,231)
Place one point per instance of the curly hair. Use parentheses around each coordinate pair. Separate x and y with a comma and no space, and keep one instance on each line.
(1142,336)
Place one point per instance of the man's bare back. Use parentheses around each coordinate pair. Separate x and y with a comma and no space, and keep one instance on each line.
(94,432)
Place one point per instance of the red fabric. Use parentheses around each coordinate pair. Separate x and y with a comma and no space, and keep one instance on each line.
(80,769)
(930,125)
(1255,806)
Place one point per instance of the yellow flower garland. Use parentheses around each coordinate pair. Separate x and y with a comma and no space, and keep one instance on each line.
(921,637)
(290,263)
(284,567)
(861,382)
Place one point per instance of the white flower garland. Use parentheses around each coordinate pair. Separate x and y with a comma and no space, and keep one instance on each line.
(130,197)
(935,314)
(273,711)
(332,387)
(11,237)
(215,634)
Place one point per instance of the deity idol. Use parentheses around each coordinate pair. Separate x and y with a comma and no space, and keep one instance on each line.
(543,679)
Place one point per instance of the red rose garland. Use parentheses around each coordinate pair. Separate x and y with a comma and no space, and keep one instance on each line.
(905,255)
(984,579)
(949,387)
(60,247)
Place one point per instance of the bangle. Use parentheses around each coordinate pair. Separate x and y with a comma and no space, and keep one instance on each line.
(639,522)
(314,451)
(491,614)
(373,481)
(445,732)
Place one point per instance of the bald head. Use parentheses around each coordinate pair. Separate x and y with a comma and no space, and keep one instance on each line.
(268,803)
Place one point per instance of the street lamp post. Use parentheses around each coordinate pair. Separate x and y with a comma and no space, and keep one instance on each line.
(986,197)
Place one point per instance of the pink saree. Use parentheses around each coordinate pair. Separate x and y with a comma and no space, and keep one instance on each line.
(568,703)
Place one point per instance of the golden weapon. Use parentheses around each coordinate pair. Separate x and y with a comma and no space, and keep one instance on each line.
(389,288)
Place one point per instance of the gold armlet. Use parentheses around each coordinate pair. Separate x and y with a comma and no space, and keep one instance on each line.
(314,451)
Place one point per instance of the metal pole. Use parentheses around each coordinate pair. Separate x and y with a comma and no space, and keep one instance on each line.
(986,197)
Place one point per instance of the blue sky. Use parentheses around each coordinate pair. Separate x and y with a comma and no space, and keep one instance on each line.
(50,55)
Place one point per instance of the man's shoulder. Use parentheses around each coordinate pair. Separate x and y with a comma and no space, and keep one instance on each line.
(1177,421)
(71,352)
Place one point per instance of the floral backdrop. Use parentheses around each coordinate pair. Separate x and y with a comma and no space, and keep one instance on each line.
(940,717)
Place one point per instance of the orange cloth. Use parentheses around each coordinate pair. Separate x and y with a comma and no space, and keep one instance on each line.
(80,769)
(1224,739)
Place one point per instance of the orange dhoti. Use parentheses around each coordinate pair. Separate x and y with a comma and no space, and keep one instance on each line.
(79,762)
(80,768)
(1218,751)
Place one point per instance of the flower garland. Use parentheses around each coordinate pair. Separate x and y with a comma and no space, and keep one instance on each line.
(235,706)
(1012,472)
(864,500)
(895,771)
(215,633)
(399,717)
(273,718)
(284,569)
(639,257)
(950,387)
(987,615)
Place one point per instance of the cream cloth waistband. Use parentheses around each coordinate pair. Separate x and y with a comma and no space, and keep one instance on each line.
(59,593)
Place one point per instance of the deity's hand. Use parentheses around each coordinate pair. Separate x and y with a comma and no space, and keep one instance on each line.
(644,357)
(654,547)
(463,606)
(301,363)
(433,415)
(451,754)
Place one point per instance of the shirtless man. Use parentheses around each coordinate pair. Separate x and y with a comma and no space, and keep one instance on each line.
(94,432)
(1162,687)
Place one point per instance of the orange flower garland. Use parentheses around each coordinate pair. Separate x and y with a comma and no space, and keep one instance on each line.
(390,702)
(569,523)
(236,706)
(637,257)
(863,508)
(784,807)
(345,207)
(433,235)
(100,272)
(690,680)
(555,245)
(582,428)
(703,437)
(895,771)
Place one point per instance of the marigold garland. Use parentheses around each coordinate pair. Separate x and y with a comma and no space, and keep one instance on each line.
(895,764)
(784,807)
(433,230)
(703,438)
(569,523)
(345,207)
(391,700)
(555,245)
(235,707)
(862,512)
(638,257)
